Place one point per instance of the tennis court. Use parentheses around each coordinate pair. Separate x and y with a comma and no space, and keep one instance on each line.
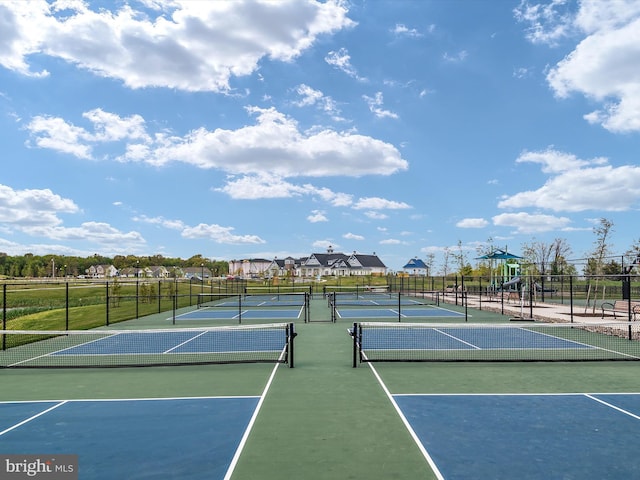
(166,437)
(440,417)
(581,436)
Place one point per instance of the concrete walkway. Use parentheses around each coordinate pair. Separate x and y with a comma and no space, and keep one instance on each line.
(540,311)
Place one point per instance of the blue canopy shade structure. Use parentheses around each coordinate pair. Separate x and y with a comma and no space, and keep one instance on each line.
(498,254)
(509,271)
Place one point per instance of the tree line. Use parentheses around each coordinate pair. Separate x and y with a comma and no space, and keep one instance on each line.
(59,266)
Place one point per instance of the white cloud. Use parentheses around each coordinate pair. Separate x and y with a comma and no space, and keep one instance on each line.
(99,233)
(312,97)
(377,203)
(309,95)
(194,46)
(392,241)
(402,30)
(317,216)
(554,161)
(31,208)
(472,223)
(352,236)
(261,186)
(576,185)
(547,23)
(160,221)
(273,145)
(373,215)
(525,223)
(461,56)
(325,244)
(342,61)
(602,65)
(216,233)
(374,106)
(56,134)
(219,234)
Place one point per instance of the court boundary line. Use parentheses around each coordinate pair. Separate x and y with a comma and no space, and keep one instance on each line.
(247,432)
(130,399)
(33,417)
(407,425)
(527,394)
(610,405)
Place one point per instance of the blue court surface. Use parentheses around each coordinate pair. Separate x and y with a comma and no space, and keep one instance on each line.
(424,312)
(522,436)
(185,438)
(249,314)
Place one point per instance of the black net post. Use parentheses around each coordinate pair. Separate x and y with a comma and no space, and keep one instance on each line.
(291,334)
(334,316)
(307,307)
(354,334)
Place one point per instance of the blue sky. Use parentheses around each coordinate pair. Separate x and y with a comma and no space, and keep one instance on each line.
(243,129)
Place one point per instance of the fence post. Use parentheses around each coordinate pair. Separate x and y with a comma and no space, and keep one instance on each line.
(66,313)
(4,315)
(107,309)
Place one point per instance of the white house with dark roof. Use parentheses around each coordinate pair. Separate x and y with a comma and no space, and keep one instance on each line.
(341,265)
(317,264)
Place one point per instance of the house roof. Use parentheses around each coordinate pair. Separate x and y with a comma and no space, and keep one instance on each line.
(370,261)
(415,263)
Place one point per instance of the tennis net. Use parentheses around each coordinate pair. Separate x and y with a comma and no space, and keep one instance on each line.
(500,342)
(266,300)
(272,343)
(241,303)
(384,305)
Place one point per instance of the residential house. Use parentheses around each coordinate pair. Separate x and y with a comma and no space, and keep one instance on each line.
(250,267)
(101,271)
(196,273)
(416,267)
(283,267)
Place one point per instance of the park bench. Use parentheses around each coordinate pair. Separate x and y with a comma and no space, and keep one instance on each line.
(621,306)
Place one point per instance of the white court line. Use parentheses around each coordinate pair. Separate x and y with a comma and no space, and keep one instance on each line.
(413,434)
(243,441)
(33,417)
(626,412)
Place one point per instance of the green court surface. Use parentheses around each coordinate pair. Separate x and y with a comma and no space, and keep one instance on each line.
(324,419)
